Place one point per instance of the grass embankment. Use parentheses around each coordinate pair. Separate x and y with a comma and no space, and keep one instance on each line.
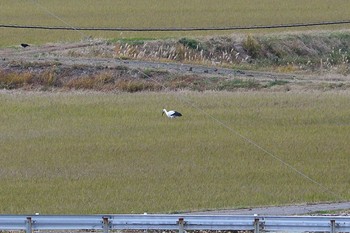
(154,13)
(115,153)
(324,56)
(315,52)
(54,76)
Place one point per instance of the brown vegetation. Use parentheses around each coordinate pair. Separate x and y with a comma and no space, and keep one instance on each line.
(319,54)
(299,52)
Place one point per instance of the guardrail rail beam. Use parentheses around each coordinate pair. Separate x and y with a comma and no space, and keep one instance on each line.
(180,223)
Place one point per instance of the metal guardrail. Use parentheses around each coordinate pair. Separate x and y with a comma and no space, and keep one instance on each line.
(180,223)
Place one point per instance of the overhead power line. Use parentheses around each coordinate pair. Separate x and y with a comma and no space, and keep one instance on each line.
(176,28)
(51,14)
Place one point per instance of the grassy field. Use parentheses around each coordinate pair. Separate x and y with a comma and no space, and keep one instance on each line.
(154,13)
(114,153)
(92,152)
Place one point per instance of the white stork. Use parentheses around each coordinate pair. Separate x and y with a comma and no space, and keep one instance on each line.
(171,113)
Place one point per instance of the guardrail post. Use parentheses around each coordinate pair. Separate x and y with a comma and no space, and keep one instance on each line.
(29,225)
(256,225)
(332,225)
(181,223)
(105,224)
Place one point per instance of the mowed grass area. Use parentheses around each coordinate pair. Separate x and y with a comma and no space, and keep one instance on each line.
(154,13)
(86,152)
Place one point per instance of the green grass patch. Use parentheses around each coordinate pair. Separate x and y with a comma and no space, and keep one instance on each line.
(131,41)
(276,83)
(233,84)
(191,43)
(85,153)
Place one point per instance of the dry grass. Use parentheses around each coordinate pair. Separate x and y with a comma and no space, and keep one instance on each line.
(114,153)
(303,52)
(122,79)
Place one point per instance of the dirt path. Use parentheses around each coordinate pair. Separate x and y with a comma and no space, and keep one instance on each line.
(52,53)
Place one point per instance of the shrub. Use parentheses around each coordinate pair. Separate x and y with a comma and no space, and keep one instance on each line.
(104,78)
(48,79)
(339,56)
(252,46)
(15,80)
(190,43)
(81,83)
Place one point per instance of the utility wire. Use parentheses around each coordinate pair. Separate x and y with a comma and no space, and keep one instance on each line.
(70,26)
(170,29)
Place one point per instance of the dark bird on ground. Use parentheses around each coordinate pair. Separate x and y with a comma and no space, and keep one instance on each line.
(24,45)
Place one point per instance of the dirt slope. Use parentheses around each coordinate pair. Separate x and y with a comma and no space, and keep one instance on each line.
(96,59)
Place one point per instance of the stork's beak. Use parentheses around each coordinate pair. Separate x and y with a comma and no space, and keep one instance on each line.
(162,113)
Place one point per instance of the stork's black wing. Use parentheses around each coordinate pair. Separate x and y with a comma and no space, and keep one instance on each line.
(177,114)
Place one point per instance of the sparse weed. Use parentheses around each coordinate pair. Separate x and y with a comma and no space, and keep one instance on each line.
(343,69)
(14,80)
(229,85)
(339,56)
(252,46)
(48,78)
(276,83)
(289,68)
(131,41)
(95,82)
(81,83)
(136,86)
(332,86)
